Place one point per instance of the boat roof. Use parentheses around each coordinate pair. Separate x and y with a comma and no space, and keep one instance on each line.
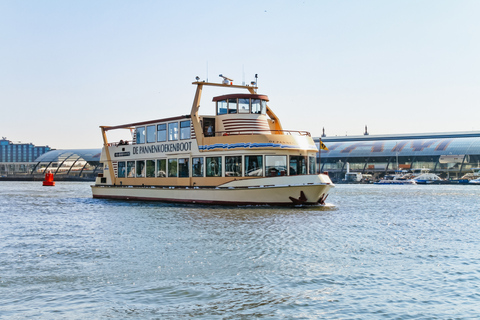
(241,95)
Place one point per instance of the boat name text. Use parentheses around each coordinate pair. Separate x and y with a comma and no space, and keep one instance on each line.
(165,147)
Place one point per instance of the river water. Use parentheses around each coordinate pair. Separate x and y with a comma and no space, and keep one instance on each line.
(374,252)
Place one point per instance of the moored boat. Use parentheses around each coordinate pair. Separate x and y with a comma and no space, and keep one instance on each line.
(241,155)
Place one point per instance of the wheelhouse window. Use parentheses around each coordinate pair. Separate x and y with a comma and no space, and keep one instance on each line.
(256,106)
(183,168)
(243,105)
(233,166)
(121,169)
(141,169)
(197,167)
(185,130)
(162,132)
(140,133)
(312,165)
(150,169)
(253,166)
(275,165)
(298,165)
(151,134)
(222,107)
(130,169)
(173,131)
(161,168)
(232,105)
(172,168)
(214,166)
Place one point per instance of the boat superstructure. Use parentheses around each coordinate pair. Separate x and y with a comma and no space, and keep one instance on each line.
(241,155)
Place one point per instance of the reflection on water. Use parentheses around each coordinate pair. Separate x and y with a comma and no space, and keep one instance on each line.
(374,252)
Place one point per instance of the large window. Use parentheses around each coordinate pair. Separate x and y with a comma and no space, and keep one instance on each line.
(183,168)
(253,166)
(214,166)
(130,169)
(222,107)
(185,130)
(298,165)
(150,171)
(312,165)
(233,166)
(161,168)
(243,105)
(259,106)
(141,169)
(173,131)
(150,134)
(275,165)
(121,169)
(232,105)
(172,168)
(162,132)
(140,135)
(197,167)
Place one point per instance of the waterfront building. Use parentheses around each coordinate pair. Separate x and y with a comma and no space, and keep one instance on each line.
(68,164)
(451,155)
(20,152)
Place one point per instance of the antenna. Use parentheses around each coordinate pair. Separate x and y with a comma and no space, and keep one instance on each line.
(207,70)
(243,74)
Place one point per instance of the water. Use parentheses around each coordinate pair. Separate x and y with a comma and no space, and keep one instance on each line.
(379,252)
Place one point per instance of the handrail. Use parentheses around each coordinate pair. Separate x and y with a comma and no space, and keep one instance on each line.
(261,131)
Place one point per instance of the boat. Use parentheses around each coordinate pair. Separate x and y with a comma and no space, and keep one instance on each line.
(474,181)
(396,179)
(240,155)
(426,177)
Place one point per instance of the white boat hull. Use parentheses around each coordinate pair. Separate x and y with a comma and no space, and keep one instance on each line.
(305,194)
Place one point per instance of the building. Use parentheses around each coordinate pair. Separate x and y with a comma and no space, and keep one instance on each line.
(20,152)
(450,155)
(72,164)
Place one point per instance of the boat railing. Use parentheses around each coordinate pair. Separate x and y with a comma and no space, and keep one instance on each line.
(262,131)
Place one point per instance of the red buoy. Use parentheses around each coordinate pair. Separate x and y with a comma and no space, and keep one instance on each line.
(48,181)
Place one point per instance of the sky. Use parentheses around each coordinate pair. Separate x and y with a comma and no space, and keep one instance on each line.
(68,67)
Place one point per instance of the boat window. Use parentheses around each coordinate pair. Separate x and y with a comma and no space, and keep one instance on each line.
(233,166)
(263,107)
(140,135)
(173,131)
(121,169)
(141,169)
(275,165)
(130,169)
(312,165)
(150,134)
(214,166)
(184,130)
(150,170)
(161,132)
(222,107)
(232,105)
(183,168)
(172,168)
(243,105)
(197,167)
(253,166)
(298,165)
(256,106)
(161,168)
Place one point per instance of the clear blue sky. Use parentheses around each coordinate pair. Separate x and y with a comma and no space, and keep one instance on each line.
(67,67)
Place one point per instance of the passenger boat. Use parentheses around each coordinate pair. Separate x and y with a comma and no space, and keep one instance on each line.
(239,156)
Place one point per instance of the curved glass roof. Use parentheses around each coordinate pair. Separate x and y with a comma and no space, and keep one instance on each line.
(89,155)
(402,147)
